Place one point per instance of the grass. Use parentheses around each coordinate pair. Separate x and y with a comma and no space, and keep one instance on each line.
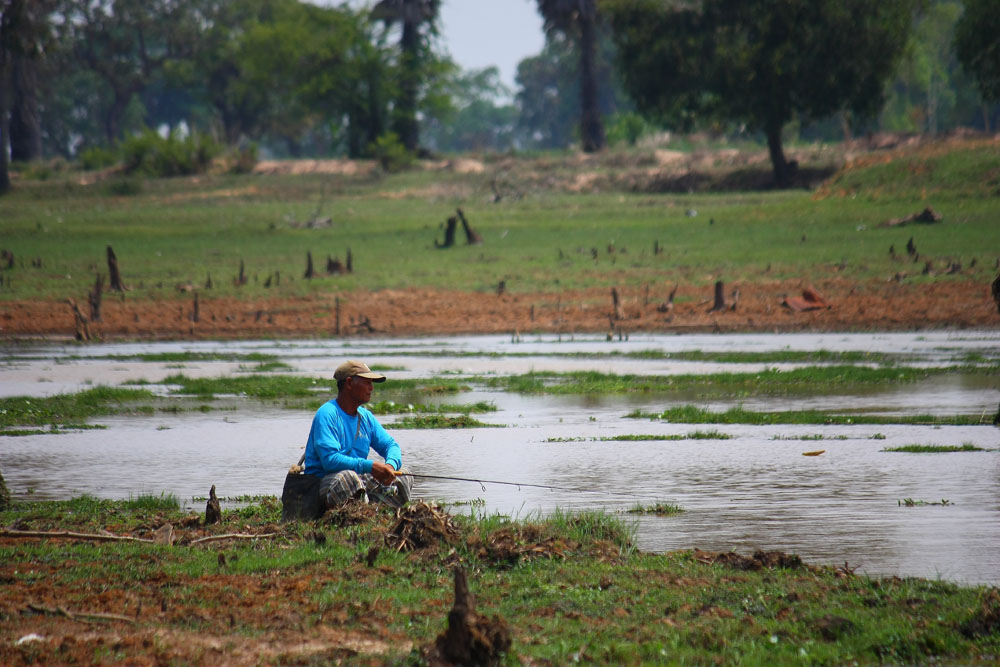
(803,380)
(691,414)
(693,435)
(439,421)
(67,409)
(935,449)
(659,509)
(181,230)
(569,587)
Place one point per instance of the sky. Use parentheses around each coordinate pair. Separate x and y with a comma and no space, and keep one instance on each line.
(480,33)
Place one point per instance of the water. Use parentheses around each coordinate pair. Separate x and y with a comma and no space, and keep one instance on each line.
(750,492)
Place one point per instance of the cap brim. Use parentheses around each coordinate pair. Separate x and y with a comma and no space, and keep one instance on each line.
(374,377)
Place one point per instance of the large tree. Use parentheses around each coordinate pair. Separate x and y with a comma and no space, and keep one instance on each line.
(418,22)
(760,63)
(977,40)
(578,21)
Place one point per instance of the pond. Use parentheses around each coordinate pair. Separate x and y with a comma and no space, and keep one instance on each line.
(752,491)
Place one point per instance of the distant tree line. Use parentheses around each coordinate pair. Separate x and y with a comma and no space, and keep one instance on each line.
(304,80)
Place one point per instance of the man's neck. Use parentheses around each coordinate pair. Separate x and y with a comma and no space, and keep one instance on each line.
(347,405)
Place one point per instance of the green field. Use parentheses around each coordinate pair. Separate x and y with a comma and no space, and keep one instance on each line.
(183,230)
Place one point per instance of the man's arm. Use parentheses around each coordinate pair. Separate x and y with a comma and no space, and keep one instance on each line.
(385,444)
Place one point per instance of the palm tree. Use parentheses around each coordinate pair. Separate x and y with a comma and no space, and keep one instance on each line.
(413,15)
(577,20)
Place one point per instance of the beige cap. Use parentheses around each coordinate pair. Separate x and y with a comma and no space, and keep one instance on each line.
(352,368)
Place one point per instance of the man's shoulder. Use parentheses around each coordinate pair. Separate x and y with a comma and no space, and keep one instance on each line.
(330,407)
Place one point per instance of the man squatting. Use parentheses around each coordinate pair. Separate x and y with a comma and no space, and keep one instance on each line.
(341,436)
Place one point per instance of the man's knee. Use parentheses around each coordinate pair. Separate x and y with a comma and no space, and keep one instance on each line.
(339,487)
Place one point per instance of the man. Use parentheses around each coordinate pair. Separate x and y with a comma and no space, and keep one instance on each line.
(339,441)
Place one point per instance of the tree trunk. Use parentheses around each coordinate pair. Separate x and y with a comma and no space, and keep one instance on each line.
(25,119)
(591,127)
(782,172)
(405,123)
(4,118)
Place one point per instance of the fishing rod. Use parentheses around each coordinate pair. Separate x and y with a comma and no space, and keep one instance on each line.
(483,482)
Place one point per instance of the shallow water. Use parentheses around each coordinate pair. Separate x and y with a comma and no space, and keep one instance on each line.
(746,493)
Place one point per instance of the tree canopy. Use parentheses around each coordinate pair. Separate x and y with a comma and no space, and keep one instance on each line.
(761,63)
(977,40)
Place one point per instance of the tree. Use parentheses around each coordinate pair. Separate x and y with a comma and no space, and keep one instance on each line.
(418,20)
(479,119)
(578,21)
(17,39)
(977,41)
(760,63)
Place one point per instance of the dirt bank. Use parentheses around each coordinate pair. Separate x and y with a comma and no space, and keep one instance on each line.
(853,306)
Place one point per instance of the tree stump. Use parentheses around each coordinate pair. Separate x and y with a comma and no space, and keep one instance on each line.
(213,513)
(471,237)
(82,325)
(241,278)
(115,282)
(195,316)
(471,638)
(720,297)
(94,299)
(310,272)
(996,291)
(4,494)
(349,262)
(449,234)
(616,302)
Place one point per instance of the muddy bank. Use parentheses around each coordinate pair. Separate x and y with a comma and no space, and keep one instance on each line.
(851,306)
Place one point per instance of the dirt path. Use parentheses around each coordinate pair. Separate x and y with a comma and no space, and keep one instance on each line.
(852,307)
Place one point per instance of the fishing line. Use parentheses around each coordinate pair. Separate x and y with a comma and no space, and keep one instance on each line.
(483,482)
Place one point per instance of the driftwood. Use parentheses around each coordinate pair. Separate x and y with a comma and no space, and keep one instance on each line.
(85,616)
(82,325)
(69,535)
(471,237)
(114,277)
(810,300)
(927,216)
(231,536)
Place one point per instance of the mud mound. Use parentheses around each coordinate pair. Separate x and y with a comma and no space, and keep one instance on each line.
(511,545)
(986,619)
(351,513)
(421,525)
(759,561)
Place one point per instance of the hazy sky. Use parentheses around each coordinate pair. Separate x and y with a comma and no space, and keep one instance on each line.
(480,33)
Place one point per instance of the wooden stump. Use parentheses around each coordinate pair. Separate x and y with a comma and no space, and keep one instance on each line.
(82,325)
(720,297)
(213,513)
(449,234)
(114,277)
(471,638)
(996,291)
(4,494)
(471,237)
(94,298)
(310,272)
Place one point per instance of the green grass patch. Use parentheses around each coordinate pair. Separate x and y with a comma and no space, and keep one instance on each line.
(803,380)
(164,501)
(69,408)
(394,408)
(439,421)
(571,584)
(53,429)
(910,502)
(935,449)
(691,414)
(659,509)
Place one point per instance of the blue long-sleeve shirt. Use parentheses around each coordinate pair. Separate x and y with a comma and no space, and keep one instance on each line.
(332,445)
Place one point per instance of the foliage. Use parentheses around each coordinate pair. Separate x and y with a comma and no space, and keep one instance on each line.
(759,63)
(934,449)
(978,47)
(692,414)
(391,153)
(150,154)
(62,408)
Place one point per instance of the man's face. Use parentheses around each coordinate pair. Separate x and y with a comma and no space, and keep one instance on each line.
(360,388)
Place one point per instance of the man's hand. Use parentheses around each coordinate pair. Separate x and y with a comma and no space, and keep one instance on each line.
(383,473)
